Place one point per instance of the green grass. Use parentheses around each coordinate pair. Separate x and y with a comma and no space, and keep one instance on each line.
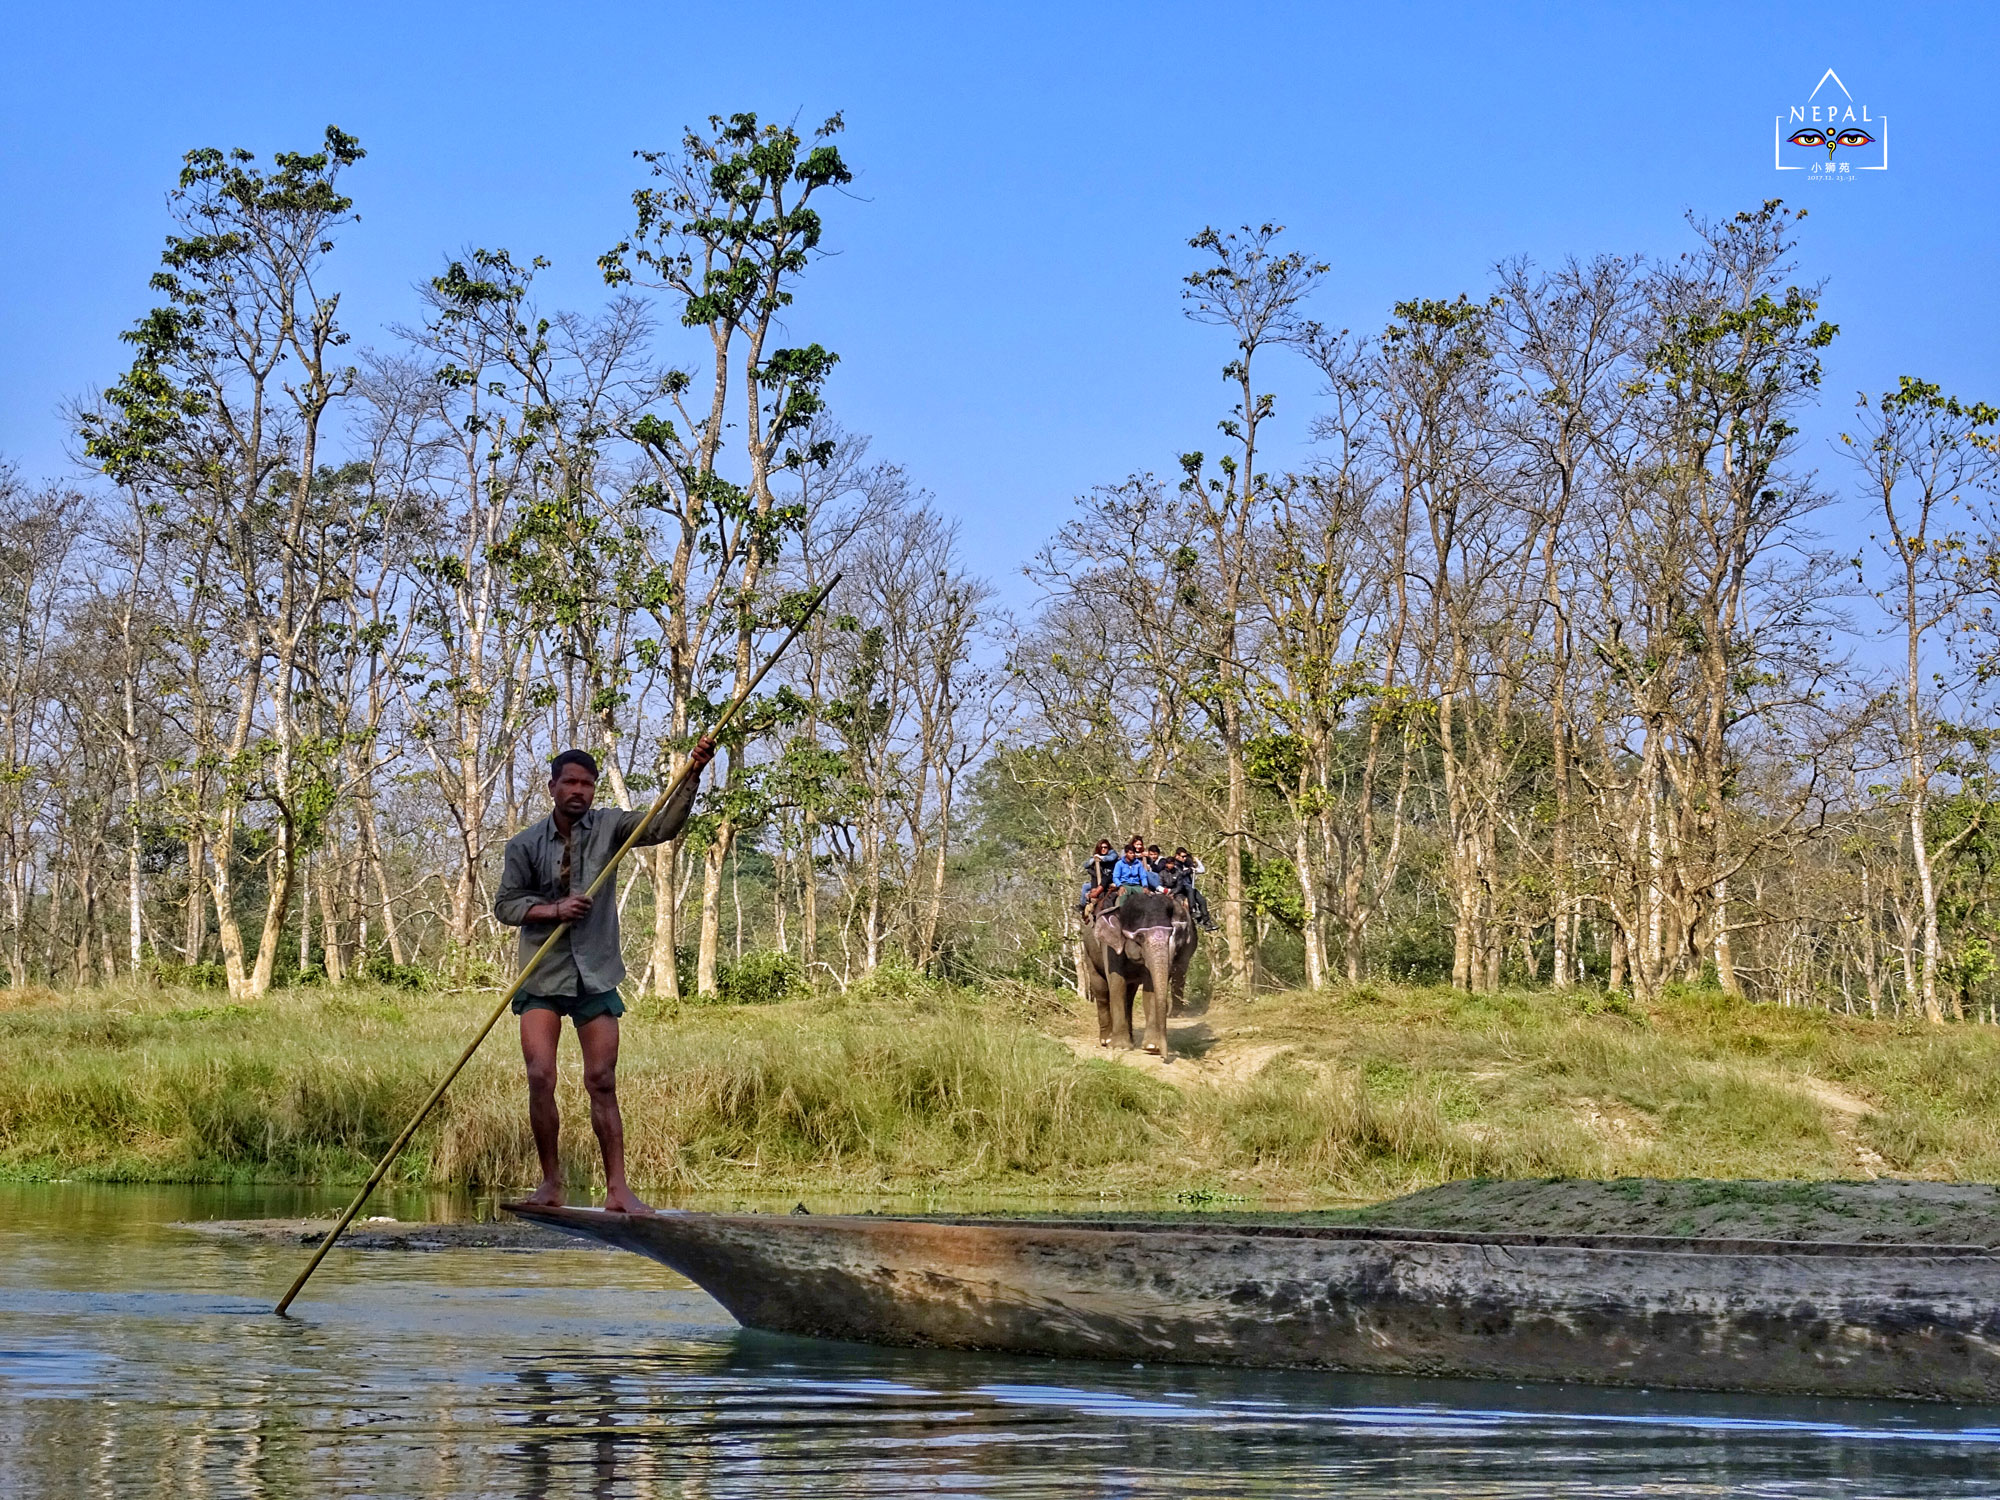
(907,1086)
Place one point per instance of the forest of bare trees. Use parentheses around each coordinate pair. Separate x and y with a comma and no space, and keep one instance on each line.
(1562,658)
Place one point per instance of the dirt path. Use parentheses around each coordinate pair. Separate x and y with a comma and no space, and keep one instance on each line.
(1197,1055)
(1845,1111)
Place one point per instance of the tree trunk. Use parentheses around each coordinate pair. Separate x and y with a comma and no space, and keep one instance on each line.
(1928,992)
(781,904)
(356,912)
(1725,950)
(1871,967)
(371,854)
(17,926)
(274,918)
(709,939)
(1240,961)
(329,923)
(808,897)
(194,924)
(664,969)
(228,931)
(305,916)
(1313,928)
(135,907)
(934,907)
(1560,856)
(135,887)
(86,880)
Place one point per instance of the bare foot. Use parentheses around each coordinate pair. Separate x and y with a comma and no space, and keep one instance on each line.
(548,1195)
(622,1200)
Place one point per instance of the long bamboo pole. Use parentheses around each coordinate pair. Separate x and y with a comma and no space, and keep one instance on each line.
(604,875)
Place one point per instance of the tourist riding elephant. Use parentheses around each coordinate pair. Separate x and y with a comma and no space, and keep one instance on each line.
(1146,942)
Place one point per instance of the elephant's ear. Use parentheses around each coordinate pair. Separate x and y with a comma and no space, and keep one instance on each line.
(1111,933)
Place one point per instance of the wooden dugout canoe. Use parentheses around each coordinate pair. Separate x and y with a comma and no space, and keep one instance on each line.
(1855,1320)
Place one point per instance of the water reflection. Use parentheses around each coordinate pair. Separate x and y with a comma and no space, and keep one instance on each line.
(138,1360)
(774,1416)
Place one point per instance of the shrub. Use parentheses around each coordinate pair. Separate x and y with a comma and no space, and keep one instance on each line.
(760,979)
(380,968)
(1419,958)
(178,976)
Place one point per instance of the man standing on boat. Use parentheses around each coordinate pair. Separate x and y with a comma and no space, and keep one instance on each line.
(548,867)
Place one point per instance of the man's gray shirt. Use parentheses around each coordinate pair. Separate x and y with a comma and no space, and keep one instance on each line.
(586,959)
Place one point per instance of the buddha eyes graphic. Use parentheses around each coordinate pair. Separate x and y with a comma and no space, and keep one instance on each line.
(1832,139)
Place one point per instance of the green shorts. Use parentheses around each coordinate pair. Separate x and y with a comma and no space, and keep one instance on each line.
(579,1008)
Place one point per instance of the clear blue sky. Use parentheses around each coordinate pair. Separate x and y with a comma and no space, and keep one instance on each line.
(1004,297)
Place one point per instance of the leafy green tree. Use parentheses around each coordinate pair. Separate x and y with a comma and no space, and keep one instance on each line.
(725,234)
(1246,286)
(1714,617)
(1920,452)
(219,421)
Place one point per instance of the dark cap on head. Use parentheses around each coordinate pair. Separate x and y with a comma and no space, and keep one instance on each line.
(573,758)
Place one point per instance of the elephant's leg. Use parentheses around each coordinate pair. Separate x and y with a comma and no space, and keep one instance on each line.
(1156,1024)
(1100,995)
(1183,961)
(1156,1019)
(1119,999)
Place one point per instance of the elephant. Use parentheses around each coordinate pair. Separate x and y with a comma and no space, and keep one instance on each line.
(1146,942)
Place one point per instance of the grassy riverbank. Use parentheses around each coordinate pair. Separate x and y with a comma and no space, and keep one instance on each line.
(905,1086)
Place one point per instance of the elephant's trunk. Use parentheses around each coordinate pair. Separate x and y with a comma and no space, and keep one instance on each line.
(1159,959)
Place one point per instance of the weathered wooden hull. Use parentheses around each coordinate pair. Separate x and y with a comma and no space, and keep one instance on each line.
(1834,1320)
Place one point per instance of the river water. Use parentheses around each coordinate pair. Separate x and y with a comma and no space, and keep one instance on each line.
(141,1359)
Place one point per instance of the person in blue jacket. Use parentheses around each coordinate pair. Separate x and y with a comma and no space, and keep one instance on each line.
(1132,869)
